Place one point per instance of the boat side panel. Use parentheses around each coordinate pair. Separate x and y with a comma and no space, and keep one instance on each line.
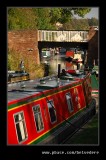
(62,113)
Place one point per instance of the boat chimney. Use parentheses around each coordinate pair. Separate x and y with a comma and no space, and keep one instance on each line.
(59,67)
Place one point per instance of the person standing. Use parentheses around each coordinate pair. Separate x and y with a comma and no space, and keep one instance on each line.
(46,69)
(22,68)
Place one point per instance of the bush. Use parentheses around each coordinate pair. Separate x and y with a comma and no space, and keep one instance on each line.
(13,60)
(34,70)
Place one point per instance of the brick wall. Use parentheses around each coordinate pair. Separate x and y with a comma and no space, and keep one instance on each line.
(24,42)
(93,47)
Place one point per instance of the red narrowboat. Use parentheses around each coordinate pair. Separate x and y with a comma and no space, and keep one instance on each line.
(41,111)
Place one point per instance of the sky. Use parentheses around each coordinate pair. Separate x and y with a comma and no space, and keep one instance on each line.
(93,13)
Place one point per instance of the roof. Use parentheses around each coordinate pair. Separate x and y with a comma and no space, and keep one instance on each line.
(25,89)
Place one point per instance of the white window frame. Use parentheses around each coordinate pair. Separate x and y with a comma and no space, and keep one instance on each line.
(50,106)
(22,126)
(40,118)
(69,102)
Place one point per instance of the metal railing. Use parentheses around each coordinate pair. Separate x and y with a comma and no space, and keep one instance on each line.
(62,36)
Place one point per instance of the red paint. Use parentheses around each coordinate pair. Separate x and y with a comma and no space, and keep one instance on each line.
(71,71)
(70,54)
(62,112)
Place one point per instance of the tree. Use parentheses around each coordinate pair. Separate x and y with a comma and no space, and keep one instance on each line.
(81,12)
(68,13)
(93,22)
(76,24)
(41,18)
(55,14)
(21,18)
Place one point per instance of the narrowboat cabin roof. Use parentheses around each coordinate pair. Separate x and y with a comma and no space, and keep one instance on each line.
(25,89)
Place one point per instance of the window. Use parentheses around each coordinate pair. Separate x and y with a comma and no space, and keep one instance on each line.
(38,118)
(52,111)
(20,127)
(69,102)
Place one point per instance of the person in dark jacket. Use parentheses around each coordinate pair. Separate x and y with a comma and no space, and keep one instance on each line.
(46,69)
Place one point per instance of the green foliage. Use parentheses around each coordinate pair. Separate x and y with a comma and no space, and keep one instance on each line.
(81,11)
(35,70)
(41,18)
(21,18)
(14,59)
(66,15)
(93,22)
(55,15)
(80,24)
